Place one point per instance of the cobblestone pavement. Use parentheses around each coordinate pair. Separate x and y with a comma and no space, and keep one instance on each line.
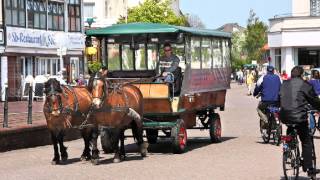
(241,155)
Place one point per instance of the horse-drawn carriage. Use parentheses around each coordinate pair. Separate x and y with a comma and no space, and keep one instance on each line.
(132,54)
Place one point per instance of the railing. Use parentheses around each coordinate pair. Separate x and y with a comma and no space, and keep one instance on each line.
(21,112)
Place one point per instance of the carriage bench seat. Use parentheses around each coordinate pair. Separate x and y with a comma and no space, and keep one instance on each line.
(153,90)
(156,97)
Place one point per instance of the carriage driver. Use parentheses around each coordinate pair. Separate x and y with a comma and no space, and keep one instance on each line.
(169,58)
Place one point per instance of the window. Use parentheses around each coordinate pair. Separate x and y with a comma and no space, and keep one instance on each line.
(140,58)
(225,53)
(195,53)
(217,53)
(55,16)
(127,58)
(152,56)
(315,7)
(15,13)
(206,53)
(74,16)
(277,62)
(88,9)
(113,57)
(37,14)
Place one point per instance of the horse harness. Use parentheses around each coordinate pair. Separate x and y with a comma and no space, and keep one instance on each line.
(67,110)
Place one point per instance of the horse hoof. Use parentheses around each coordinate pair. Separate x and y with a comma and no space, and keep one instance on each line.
(144,149)
(116,160)
(83,158)
(95,161)
(54,162)
(64,159)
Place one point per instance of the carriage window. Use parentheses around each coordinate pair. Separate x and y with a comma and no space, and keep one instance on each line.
(195,53)
(113,57)
(140,58)
(206,53)
(152,56)
(217,53)
(127,58)
(226,53)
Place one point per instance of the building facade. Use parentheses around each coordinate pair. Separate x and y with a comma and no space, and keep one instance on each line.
(42,38)
(108,12)
(295,39)
(104,12)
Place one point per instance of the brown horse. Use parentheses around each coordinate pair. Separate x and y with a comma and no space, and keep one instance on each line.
(67,107)
(118,108)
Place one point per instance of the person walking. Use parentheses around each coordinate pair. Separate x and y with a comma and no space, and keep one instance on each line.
(250,81)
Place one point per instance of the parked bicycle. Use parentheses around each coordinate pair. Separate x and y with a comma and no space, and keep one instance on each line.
(292,160)
(273,127)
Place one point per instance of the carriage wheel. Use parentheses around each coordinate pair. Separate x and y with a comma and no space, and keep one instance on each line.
(215,128)
(179,137)
(106,143)
(152,135)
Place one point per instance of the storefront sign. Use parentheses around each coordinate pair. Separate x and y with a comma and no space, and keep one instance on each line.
(30,38)
(22,37)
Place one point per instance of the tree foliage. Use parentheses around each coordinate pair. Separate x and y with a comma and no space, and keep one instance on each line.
(238,54)
(154,11)
(255,37)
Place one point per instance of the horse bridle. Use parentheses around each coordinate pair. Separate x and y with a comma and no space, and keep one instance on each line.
(51,93)
(94,84)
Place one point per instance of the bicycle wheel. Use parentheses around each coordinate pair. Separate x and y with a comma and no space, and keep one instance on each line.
(291,163)
(277,134)
(314,160)
(265,130)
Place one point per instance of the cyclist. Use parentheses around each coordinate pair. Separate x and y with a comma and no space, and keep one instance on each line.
(295,96)
(268,86)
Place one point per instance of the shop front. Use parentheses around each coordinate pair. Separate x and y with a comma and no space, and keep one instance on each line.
(31,54)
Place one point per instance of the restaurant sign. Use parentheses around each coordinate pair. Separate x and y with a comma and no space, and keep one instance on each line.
(22,37)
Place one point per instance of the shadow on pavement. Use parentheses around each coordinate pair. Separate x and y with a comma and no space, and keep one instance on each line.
(164,146)
(300,178)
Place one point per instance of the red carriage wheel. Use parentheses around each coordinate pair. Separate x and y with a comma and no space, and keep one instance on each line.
(179,137)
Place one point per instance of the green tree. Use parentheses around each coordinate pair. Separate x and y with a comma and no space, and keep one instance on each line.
(238,55)
(154,11)
(256,37)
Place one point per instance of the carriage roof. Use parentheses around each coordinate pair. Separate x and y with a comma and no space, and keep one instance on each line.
(153,28)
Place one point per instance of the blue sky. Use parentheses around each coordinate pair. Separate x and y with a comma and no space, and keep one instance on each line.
(215,13)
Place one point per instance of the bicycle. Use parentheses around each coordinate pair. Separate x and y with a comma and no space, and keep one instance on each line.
(272,127)
(292,160)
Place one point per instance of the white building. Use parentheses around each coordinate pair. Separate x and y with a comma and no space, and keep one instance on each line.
(105,12)
(33,31)
(108,12)
(295,39)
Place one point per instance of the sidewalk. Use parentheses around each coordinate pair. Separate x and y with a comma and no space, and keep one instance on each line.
(20,134)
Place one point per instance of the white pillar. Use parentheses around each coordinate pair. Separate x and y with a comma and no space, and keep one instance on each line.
(287,59)
(4,76)
(273,57)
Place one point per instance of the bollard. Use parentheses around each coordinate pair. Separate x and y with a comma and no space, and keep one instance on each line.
(5,108)
(30,105)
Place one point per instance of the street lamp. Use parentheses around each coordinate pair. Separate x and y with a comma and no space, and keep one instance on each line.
(90,21)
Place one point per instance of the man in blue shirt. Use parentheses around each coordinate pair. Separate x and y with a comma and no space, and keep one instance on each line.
(268,86)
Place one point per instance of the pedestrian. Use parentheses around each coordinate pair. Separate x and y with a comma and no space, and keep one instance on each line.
(284,75)
(240,77)
(250,82)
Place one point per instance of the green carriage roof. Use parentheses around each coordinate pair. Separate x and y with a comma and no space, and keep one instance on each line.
(150,28)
